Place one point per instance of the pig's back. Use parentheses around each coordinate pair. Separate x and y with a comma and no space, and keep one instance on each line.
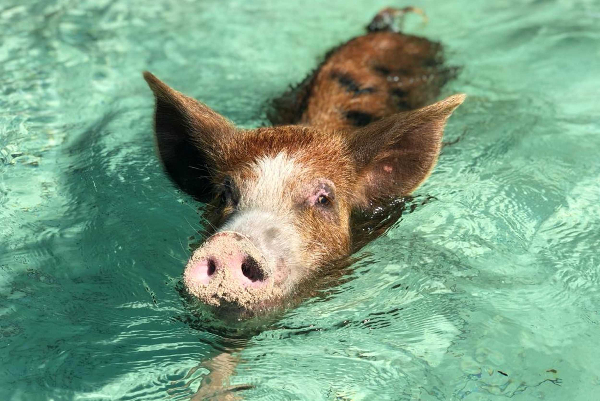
(366,79)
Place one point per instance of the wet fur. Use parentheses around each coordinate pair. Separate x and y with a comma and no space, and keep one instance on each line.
(364,80)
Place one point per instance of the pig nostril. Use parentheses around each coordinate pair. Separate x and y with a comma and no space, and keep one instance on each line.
(212,266)
(252,270)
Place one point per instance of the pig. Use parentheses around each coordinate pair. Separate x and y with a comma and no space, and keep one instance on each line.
(356,134)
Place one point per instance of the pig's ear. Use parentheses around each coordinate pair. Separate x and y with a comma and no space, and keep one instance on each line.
(395,155)
(188,134)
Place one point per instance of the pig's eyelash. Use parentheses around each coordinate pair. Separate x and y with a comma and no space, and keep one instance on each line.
(200,169)
(208,169)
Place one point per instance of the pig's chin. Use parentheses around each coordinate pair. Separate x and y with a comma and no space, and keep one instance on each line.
(231,311)
(227,300)
(235,309)
(228,311)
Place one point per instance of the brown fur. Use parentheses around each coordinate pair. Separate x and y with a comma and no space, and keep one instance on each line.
(375,75)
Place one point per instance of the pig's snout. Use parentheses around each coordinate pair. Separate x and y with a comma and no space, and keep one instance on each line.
(228,267)
(242,267)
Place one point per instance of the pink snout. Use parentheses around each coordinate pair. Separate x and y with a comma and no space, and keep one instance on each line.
(242,267)
(227,267)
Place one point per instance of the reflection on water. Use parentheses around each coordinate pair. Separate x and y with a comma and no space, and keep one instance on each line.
(487,289)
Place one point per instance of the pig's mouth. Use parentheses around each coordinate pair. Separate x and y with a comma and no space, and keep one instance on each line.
(225,291)
(231,307)
(229,320)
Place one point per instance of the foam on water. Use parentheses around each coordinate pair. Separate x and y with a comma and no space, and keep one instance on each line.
(490,290)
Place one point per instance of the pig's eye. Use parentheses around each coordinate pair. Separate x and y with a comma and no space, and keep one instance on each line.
(229,195)
(323,196)
(323,200)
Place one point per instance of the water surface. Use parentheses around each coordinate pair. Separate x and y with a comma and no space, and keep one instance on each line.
(489,291)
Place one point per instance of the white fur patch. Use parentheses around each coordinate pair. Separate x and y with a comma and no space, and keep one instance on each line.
(274,175)
(266,216)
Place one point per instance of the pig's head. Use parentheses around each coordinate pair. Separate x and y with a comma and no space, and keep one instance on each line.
(283,196)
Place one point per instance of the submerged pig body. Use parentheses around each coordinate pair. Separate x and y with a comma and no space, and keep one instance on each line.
(368,78)
(280,198)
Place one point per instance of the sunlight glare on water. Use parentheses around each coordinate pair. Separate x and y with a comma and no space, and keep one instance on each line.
(488,291)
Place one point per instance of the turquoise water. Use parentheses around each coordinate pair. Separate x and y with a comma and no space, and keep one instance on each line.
(489,291)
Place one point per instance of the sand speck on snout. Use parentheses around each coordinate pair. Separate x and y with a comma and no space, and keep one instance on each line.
(223,285)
